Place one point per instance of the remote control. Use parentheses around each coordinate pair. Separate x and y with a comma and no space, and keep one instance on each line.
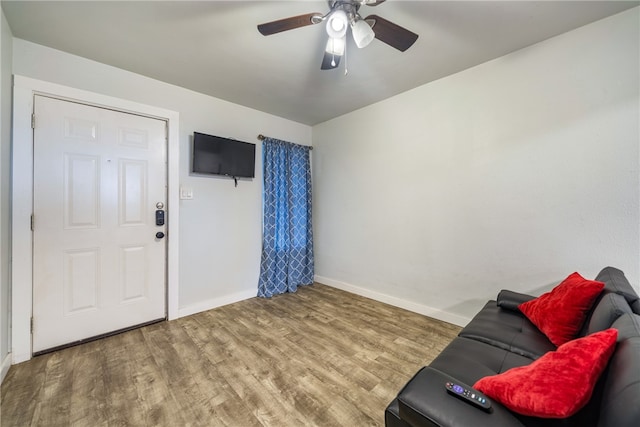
(469,395)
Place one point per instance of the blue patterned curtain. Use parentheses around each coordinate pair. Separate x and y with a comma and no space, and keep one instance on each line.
(287,238)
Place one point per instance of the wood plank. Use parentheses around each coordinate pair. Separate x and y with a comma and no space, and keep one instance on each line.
(317,357)
(24,390)
(88,391)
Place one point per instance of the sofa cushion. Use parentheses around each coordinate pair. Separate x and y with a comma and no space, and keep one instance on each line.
(508,330)
(615,281)
(469,360)
(620,402)
(628,326)
(607,310)
(560,314)
(558,384)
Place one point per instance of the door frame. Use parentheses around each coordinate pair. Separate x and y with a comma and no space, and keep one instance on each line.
(24,91)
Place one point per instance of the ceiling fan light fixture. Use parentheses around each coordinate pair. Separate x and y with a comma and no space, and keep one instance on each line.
(336,46)
(362,33)
(337,24)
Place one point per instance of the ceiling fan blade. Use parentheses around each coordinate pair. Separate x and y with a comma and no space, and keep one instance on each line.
(392,34)
(288,24)
(330,61)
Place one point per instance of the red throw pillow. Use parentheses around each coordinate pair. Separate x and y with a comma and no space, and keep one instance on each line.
(558,384)
(559,314)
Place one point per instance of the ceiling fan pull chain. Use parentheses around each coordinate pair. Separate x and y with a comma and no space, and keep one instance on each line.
(346,70)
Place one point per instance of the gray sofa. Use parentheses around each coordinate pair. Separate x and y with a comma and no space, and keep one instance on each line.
(500,337)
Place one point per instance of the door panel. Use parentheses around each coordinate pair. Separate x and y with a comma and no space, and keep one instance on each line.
(81,195)
(98,266)
(80,281)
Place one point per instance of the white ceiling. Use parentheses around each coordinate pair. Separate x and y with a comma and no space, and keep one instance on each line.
(213,47)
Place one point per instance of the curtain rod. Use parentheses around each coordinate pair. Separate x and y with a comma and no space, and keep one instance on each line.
(262,137)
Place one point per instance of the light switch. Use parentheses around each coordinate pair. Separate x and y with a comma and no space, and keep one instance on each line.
(186,193)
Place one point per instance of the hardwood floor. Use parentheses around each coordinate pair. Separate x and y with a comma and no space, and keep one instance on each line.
(318,357)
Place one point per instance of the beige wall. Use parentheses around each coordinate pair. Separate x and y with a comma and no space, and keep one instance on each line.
(512,174)
(220,229)
(5,205)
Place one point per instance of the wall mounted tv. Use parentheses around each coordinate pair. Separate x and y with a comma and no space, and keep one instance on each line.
(215,155)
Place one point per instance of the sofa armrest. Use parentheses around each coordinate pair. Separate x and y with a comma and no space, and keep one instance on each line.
(510,300)
(425,402)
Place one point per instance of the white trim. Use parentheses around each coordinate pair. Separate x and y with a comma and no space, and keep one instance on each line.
(216,302)
(395,301)
(22,197)
(4,366)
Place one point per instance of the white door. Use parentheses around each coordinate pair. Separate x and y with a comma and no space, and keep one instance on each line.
(98,265)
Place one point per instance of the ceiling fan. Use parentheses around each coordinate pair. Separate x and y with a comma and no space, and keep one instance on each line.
(343,14)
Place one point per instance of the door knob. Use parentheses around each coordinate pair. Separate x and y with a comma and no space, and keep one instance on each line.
(159,235)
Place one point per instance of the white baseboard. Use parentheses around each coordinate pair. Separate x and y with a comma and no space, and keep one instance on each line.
(4,367)
(395,301)
(215,303)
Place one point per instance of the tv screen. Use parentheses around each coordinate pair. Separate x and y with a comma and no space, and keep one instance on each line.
(222,156)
